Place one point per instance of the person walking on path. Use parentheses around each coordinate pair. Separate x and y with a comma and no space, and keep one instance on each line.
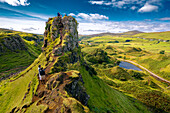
(59,15)
(41,74)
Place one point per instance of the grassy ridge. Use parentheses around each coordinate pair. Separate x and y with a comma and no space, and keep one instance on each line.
(14,60)
(155,35)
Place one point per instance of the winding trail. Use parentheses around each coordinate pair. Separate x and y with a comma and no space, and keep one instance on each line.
(151,73)
(41,86)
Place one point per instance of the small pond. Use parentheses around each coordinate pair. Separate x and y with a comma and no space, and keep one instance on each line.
(127,65)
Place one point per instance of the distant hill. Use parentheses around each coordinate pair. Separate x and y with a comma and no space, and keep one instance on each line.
(129,33)
(17,50)
(155,35)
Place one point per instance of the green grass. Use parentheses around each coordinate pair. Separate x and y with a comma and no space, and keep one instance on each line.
(15,61)
(155,35)
(158,64)
(105,99)
(152,46)
(12,93)
(143,51)
(138,88)
(123,49)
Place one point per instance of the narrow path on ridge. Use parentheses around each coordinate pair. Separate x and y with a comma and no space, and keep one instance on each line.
(60,89)
(47,69)
(151,73)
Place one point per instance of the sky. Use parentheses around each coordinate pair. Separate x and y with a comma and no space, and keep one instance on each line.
(93,16)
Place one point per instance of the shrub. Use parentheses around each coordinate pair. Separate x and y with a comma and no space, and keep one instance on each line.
(162,52)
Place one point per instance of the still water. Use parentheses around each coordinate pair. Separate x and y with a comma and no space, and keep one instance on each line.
(127,65)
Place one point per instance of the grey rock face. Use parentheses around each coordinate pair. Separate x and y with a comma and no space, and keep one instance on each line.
(58,51)
(63,29)
(14,43)
(77,91)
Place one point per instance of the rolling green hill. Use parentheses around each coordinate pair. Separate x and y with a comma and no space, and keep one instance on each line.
(125,34)
(17,50)
(147,53)
(155,35)
(73,83)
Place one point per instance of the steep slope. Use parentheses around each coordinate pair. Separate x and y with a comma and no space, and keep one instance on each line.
(17,51)
(72,84)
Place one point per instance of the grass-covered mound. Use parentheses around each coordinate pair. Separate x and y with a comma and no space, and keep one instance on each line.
(99,58)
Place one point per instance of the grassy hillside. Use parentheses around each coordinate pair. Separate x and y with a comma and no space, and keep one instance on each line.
(17,50)
(149,54)
(105,99)
(155,35)
(136,84)
(125,34)
(73,82)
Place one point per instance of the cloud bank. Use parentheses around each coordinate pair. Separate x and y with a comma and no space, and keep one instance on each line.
(148,8)
(16,2)
(119,27)
(165,19)
(88,24)
(138,5)
(30,26)
(89,17)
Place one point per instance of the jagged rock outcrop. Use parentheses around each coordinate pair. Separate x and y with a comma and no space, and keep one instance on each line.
(67,29)
(16,41)
(12,42)
(61,36)
(76,90)
(55,95)
(63,91)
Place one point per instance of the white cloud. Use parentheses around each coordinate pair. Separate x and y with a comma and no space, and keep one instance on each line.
(71,14)
(89,17)
(148,8)
(30,26)
(16,2)
(96,2)
(165,18)
(119,27)
(86,28)
(133,7)
(147,5)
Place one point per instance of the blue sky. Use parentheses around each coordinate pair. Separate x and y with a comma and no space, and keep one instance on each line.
(94,16)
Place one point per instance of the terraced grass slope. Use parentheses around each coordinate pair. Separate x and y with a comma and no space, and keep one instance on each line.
(72,84)
(17,50)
